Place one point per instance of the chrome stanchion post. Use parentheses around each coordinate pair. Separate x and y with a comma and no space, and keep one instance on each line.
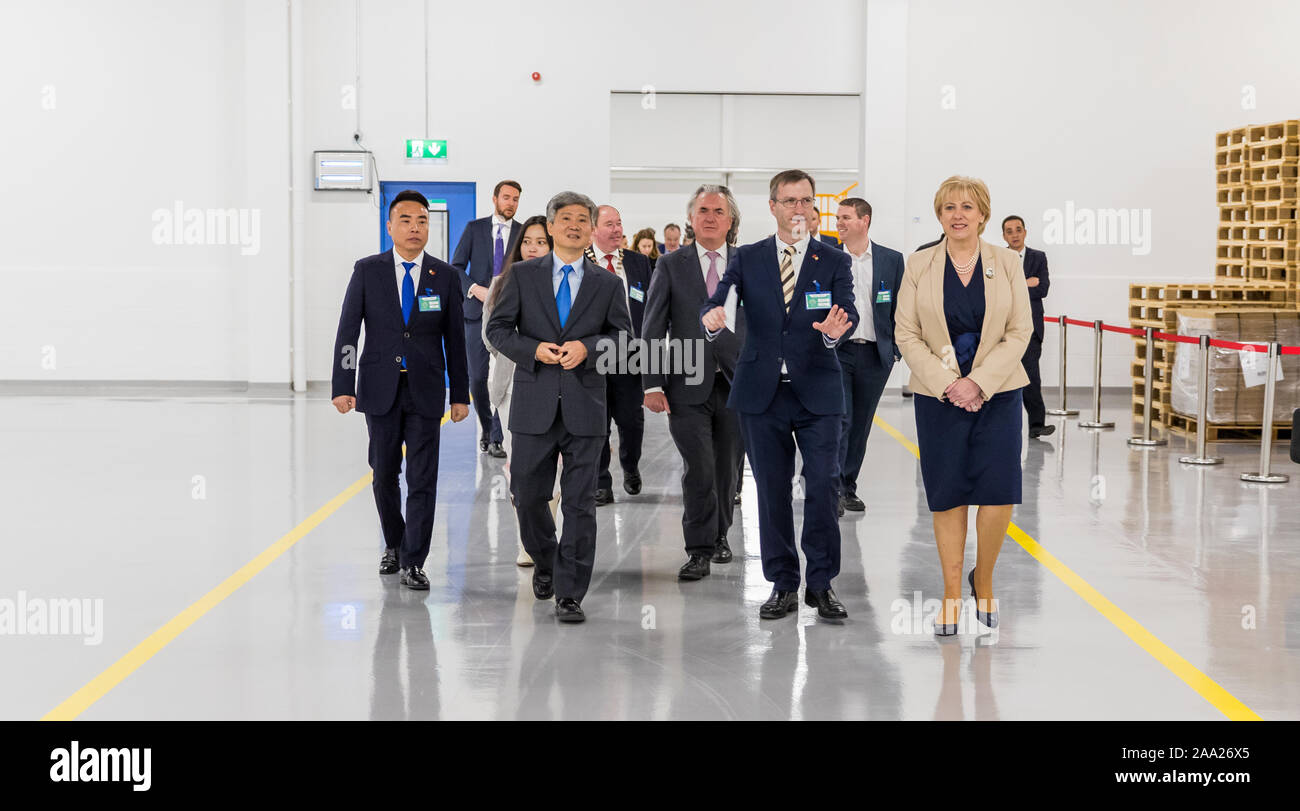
(1063,411)
(1266,441)
(1096,384)
(1203,392)
(1145,441)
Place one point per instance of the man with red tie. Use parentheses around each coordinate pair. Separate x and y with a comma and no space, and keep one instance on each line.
(624,390)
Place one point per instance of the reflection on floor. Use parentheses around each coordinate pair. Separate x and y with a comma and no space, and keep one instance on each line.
(147,501)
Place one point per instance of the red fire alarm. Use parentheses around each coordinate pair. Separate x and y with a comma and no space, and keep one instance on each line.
(537,77)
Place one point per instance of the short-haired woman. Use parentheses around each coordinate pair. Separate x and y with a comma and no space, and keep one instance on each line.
(962,325)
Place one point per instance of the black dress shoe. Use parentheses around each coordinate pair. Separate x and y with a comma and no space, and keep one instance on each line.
(827,604)
(543,585)
(483,445)
(852,502)
(632,482)
(389,563)
(496,451)
(736,500)
(568,610)
(1035,431)
(413,578)
(604,496)
(721,550)
(779,604)
(695,568)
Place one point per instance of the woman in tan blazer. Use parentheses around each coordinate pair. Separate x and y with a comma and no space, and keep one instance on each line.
(962,325)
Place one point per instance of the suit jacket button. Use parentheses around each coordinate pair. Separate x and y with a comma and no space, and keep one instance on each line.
(406,335)
(399,358)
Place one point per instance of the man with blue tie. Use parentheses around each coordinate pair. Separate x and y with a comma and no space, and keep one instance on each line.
(868,354)
(410,306)
(798,300)
(480,256)
(553,317)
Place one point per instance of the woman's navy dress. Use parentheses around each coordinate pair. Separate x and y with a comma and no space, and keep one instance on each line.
(968,458)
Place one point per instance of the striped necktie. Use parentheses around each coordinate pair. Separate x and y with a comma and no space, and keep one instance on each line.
(787,275)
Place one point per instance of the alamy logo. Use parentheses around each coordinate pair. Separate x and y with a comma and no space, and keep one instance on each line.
(91,765)
(212,226)
(55,616)
(1099,226)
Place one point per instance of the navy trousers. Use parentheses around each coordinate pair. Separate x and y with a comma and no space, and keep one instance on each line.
(770,440)
(403,425)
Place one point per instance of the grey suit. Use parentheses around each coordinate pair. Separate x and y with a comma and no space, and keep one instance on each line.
(705,431)
(565,411)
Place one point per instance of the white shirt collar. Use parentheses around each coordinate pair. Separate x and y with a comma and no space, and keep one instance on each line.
(398,260)
(496,220)
(799,247)
(702,252)
(1022,253)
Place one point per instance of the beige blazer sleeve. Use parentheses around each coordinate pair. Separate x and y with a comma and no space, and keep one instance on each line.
(1007,328)
(930,374)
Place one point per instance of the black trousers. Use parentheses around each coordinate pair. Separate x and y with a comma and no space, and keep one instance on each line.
(708,438)
(402,425)
(625,397)
(572,557)
(478,356)
(864,379)
(1033,393)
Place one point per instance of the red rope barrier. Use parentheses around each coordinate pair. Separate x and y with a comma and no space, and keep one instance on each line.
(1181,339)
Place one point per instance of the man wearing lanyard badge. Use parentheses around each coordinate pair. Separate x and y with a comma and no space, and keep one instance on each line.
(867,356)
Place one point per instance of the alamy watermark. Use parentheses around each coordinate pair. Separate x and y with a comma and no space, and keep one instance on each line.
(657,356)
(54,616)
(179,225)
(1098,226)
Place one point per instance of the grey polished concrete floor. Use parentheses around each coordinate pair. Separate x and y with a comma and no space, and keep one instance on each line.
(147,500)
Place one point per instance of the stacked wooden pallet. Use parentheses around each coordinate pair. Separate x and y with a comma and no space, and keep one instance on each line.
(1257,259)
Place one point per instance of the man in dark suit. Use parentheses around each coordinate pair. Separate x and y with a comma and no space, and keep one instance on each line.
(672,238)
(552,318)
(705,431)
(410,304)
(633,272)
(798,298)
(868,354)
(817,231)
(480,256)
(1013,231)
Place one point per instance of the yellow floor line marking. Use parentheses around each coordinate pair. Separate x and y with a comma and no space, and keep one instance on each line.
(99,686)
(1208,688)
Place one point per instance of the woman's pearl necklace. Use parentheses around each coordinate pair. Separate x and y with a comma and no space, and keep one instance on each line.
(964,268)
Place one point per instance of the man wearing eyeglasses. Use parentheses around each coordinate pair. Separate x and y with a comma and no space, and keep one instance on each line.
(798,298)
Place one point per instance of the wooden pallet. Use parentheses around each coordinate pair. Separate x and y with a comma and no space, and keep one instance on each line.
(1236,271)
(1277,171)
(1267,193)
(1286,232)
(1277,131)
(1234,175)
(1240,215)
(1229,138)
(1280,149)
(1264,214)
(1216,432)
(1232,249)
(1239,232)
(1273,253)
(1201,295)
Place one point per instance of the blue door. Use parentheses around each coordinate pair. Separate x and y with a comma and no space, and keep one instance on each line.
(455,199)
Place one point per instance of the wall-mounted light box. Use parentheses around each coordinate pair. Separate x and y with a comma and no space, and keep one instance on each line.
(346,171)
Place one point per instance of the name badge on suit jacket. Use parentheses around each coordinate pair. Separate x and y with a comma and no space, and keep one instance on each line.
(884,296)
(430,304)
(817,300)
(636,293)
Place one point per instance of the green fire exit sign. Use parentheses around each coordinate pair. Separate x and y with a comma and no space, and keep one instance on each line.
(425,148)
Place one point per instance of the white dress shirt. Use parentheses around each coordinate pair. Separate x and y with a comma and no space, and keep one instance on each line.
(602,258)
(864,296)
(400,272)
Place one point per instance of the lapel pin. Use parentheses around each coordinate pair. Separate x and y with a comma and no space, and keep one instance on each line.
(988,272)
